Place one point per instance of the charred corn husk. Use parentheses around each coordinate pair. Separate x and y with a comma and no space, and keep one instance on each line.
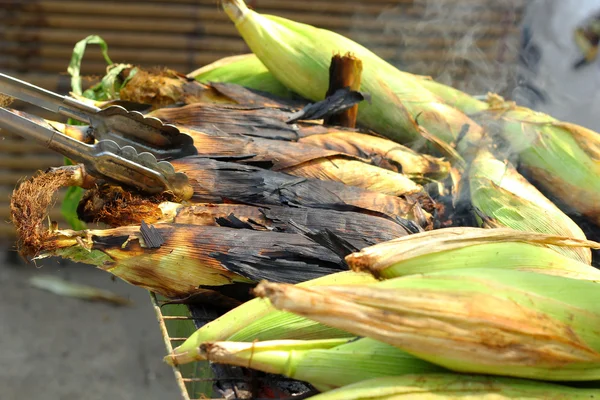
(507,199)
(245,70)
(447,386)
(473,320)
(257,319)
(307,161)
(193,256)
(465,247)
(252,121)
(383,152)
(326,364)
(115,208)
(302,160)
(215,181)
(299,56)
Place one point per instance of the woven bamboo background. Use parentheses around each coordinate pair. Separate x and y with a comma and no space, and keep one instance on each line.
(467,43)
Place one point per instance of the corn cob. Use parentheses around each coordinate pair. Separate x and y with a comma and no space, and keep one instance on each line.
(302,160)
(244,70)
(215,181)
(326,364)
(474,320)
(507,199)
(299,55)
(464,247)
(544,144)
(115,207)
(445,386)
(560,157)
(175,260)
(193,256)
(307,161)
(383,152)
(257,319)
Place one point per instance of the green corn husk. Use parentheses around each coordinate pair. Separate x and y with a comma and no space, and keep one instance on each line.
(562,158)
(299,56)
(245,70)
(257,319)
(466,247)
(440,386)
(474,320)
(326,364)
(509,200)
(452,96)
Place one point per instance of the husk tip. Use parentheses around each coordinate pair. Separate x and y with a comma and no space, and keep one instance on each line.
(235,9)
(357,262)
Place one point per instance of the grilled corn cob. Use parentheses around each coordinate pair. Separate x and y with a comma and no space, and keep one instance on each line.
(116,207)
(474,320)
(301,160)
(257,319)
(560,157)
(326,364)
(307,161)
(245,70)
(194,256)
(299,56)
(507,199)
(445,386)
(464,247)
(215,181)
(247,120)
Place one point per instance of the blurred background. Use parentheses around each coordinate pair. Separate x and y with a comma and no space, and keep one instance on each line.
(541,53)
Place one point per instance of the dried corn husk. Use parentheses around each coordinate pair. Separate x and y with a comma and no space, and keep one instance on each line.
(166,87)
(383,152)
(302,160)
(194,256)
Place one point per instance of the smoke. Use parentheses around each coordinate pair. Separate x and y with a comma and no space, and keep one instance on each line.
(471,45)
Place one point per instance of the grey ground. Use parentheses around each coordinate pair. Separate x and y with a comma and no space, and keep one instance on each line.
(54,347)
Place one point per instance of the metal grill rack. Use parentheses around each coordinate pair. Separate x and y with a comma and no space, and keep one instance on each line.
(205,380)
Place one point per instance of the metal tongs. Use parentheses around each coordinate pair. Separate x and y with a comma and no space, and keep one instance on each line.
(131,149)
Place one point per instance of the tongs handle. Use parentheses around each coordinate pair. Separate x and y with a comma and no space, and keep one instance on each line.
(126,128)
(47,100)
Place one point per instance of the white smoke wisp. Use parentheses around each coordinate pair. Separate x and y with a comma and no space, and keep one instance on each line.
(469,44)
